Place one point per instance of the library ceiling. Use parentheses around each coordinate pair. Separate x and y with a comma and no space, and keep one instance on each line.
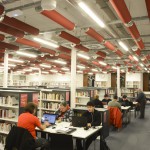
(105,34)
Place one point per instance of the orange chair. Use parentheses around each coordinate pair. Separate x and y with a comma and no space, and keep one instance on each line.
(115,117)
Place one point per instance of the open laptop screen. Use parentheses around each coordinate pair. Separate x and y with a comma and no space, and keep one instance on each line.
(51,118)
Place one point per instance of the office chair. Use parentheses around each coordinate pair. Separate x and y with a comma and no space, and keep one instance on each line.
(115,117)
(61,142)
(19,139)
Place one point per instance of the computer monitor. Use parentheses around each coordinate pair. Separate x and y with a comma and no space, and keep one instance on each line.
(51,118)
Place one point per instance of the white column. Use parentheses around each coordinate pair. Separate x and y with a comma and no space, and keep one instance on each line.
(118,82)
(11,78)
(39,76)
(5,78)
(73,77)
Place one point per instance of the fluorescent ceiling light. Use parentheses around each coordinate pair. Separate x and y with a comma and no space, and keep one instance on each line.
(135,58)
(27,70)
(45,72)
(10,65)
(102,63)
(14,13)
(83,56)
(79,71)
(60,62)
(91,14)
(49,43)
(123,45)
(34,68)
(15,60)
(114,67)
(26,54)
(45,66)
(90,73)
(145,68)
(82,67)
(54,71)
(141,65)
(66,69)
(104,72)
(95,70)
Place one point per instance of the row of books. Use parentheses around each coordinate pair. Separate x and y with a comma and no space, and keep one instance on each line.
(9,100)
(6,127)
(50,105)
(86,94)
(2,141)
(8,113)
(52,96)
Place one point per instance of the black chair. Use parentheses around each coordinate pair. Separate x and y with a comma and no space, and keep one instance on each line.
(19,139)
(61,142)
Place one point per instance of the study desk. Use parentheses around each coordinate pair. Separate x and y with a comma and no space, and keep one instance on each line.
(126,113)
(104,118)
(79,133)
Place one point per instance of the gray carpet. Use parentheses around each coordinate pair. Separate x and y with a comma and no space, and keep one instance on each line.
(135,136)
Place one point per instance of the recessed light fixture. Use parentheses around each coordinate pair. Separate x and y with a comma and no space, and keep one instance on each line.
(60,62)
(66,69)
(114,67)
(95,70)
(49,43)
(141,65)
(81,67)
(102,63)
(91,14)
(135,58)
(15,60)
(123,45)
(26,54)
(83,56)
(45,66)
(55,71)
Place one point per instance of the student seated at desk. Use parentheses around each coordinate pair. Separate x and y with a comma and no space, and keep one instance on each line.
(106,99)
(125,101)
(97,102)
(29,121)
(114,102)
(64,112)
(93,119)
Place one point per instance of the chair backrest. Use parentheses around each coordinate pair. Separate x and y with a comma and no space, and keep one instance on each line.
(115,117)
(19,139)
(61,142)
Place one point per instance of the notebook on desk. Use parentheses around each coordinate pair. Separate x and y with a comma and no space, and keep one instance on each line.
(51,118)
(79,121)
(65,130)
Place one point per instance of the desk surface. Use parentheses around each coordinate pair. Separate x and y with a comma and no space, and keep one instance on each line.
(125,107)
(78,133)
(84,108)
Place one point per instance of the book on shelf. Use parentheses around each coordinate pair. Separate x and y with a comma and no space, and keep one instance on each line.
(8,113)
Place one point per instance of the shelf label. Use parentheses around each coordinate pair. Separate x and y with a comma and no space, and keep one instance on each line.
(23,100)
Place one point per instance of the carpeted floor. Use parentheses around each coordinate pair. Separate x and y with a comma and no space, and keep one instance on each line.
(135,136)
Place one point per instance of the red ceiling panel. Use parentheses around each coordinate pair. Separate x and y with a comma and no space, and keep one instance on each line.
(15,23)
(69,37)
(148,7)
(102,54)
(47,50)
(64,49)
(4,45)
(82,48)
(28,42)
(58,18)
(2,37)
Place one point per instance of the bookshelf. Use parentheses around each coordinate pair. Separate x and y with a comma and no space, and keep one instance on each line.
(111,92)
(102,84)
(132,84)
(12,104)
(51,98)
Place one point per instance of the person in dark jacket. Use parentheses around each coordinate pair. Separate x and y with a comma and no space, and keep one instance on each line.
(125,101)
(141,99)
(106,99)
(93,119)
(97,102)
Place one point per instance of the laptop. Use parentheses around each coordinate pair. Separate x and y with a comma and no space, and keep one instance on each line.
(79,121)
(51,118)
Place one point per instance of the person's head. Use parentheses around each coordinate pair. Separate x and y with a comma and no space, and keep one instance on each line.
(106,96)
(31,108)
(96,97)
(139,90)
(63,106)
(90,106)
(115,97)
(124,97)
